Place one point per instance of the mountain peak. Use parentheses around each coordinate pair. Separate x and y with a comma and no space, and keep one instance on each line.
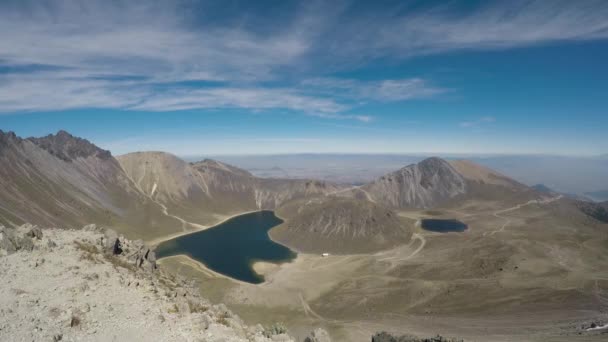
(218,165)
(9,135)
(67,147)
(421,185)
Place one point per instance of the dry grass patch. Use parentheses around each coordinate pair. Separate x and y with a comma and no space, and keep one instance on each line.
(197,307)
(118,262)
(223,318)
(173,309)
(90,252)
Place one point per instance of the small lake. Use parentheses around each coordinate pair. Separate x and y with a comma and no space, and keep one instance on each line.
(231,247)
(443,226)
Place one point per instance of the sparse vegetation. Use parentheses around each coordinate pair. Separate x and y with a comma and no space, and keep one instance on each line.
(119,262)
(173,309)
(275,329)
(89,251)
(197,307)
(223,318)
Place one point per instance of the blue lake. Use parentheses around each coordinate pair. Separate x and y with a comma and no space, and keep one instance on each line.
(231,247)
(443,226)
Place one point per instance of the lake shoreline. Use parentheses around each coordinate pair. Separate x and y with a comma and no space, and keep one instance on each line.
(245,237)
(157,241)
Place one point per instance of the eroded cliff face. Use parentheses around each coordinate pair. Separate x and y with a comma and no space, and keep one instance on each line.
(426,184)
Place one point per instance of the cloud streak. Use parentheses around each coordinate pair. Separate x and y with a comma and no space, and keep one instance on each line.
(177,55)
(477,123)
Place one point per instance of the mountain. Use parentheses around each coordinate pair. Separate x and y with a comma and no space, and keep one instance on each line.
(365,219)
(63,180)
(601,195)
(598,211)
(201,191)
(422,185)
(68,181)
(542,188)
(340,226)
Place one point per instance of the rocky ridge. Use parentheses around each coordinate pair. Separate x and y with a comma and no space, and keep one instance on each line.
(95,285)
(67,147)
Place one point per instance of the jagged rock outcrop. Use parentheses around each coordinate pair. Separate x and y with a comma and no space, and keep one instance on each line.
(423,185)
(67,147)
(71,287)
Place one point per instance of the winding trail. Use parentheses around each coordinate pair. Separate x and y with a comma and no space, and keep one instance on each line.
(353,189)
(508,220)
(398,257)
(308,310)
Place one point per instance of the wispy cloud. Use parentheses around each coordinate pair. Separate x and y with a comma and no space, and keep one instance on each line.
(477,123)
(383,90)
(141,55)
(491,25)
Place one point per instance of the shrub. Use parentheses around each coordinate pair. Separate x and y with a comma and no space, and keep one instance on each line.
(275,329)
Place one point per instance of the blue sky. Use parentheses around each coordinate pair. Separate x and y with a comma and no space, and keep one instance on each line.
(242,77)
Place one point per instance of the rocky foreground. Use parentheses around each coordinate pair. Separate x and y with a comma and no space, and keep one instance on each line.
(93,285)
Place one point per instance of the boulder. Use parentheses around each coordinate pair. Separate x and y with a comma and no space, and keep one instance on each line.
(35,232)
(151,259)
(111,243)
(7,238)
(318,335)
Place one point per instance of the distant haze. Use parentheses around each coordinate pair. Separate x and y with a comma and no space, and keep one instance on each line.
(577,175)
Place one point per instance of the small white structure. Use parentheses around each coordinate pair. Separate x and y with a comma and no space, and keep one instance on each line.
(325,255)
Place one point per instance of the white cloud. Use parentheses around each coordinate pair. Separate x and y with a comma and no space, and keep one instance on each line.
(138,54)
(253,98)
(477,123)
(383,90)
(491,25)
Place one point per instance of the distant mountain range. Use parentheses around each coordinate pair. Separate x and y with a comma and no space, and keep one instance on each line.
(598,195)
(67,181)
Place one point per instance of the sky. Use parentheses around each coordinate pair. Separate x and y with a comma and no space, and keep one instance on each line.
(271,77)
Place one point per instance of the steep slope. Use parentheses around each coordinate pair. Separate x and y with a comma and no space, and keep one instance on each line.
(542,188)
(423,185)
(160,175)
(70,285)
(598,211)
(340,226)
(203,191)
(63,180)
(224,181)
(489,185)
(482,175)
(43,187)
